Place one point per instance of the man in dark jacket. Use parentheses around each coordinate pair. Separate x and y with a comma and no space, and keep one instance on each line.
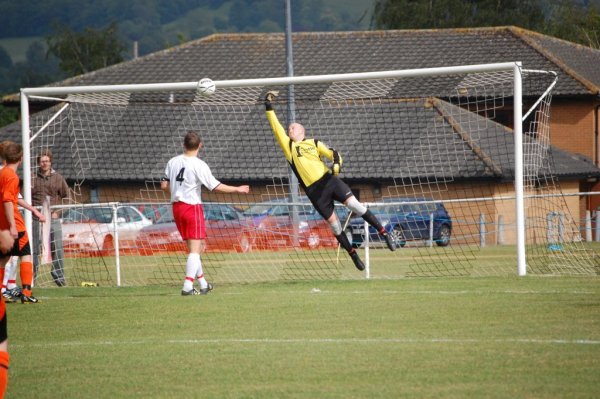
(49,186)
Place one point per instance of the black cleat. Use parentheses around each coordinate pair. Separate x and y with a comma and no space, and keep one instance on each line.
(193,291)
(389,241)
(12,296)
(357,262)
(26,299)
(204,291)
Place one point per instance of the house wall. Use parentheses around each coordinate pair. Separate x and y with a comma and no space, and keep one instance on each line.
(466,216)
(151,192)
(541,213)
(572,126)
(499,216)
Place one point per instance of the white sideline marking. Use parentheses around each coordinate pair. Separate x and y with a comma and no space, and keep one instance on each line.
(460,292)
(317,291)
(381,340)
(315,341)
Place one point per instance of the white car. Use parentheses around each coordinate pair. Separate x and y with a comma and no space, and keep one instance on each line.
(92,229)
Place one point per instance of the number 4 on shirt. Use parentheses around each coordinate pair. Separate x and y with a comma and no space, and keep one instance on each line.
(179,177)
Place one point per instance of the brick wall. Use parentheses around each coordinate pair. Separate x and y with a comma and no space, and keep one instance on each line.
(572,126)
(466,215)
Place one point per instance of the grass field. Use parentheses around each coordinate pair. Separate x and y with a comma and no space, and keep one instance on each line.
(496,337)
(323,264)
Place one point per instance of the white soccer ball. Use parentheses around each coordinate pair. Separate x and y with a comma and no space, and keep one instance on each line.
(206,87)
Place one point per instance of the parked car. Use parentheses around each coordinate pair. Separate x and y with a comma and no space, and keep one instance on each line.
(273,226)
(152,211)
(406,222)
(224,226)
(91,229)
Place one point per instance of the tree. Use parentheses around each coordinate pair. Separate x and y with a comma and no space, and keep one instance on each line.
(590,29)
(5,60)
(566,19)
(39,68)
(7,115)
(415,14)
(575,23)
(81,52)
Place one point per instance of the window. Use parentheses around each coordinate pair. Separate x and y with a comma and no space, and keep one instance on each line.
(229,214)
(132,215)
(280,210)
(122,214)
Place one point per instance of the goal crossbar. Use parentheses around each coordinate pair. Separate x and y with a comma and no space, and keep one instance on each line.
(57,91)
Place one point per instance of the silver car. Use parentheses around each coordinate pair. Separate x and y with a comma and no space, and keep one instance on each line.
(94,228)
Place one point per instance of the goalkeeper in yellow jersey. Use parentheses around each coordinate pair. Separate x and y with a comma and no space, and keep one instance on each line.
(321,185)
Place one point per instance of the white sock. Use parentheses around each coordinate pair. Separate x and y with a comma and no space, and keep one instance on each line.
(200,275)
(202,281)
(191,266)
(6,273)
(10,273)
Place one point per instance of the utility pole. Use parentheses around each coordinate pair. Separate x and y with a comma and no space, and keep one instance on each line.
(291,117)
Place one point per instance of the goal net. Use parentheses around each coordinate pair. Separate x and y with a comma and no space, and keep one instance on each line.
(430,152)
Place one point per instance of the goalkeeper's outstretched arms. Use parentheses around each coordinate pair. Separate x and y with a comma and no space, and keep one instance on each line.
(278,130)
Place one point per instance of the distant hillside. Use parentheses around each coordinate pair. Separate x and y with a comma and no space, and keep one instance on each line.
(157,24)
(17,47)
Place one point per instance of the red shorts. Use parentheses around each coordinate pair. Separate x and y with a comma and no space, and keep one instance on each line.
(189,220)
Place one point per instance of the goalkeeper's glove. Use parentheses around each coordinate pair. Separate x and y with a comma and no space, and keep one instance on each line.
(337,163)
(270,96)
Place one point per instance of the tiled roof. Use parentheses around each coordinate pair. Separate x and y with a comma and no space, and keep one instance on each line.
(576,60)
(145,149)
(259,55)
(421,139)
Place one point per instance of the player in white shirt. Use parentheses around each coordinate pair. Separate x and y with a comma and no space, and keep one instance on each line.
(184,177)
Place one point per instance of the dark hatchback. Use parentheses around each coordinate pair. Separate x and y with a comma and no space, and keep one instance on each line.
(406,219)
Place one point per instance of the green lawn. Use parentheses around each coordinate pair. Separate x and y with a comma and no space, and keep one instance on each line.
(492,337)
(166,269)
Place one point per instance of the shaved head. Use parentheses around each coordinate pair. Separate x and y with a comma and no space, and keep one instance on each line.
(296,132)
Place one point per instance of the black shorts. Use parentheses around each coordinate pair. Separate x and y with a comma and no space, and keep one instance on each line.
(323,192)
(3,328)
(21,246)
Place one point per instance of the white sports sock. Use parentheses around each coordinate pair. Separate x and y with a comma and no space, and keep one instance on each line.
(10,273)
(191,267)
(200,275)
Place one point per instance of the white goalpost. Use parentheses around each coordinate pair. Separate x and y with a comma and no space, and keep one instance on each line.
(455,161)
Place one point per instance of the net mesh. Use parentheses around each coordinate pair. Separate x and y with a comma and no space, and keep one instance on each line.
(431,156)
